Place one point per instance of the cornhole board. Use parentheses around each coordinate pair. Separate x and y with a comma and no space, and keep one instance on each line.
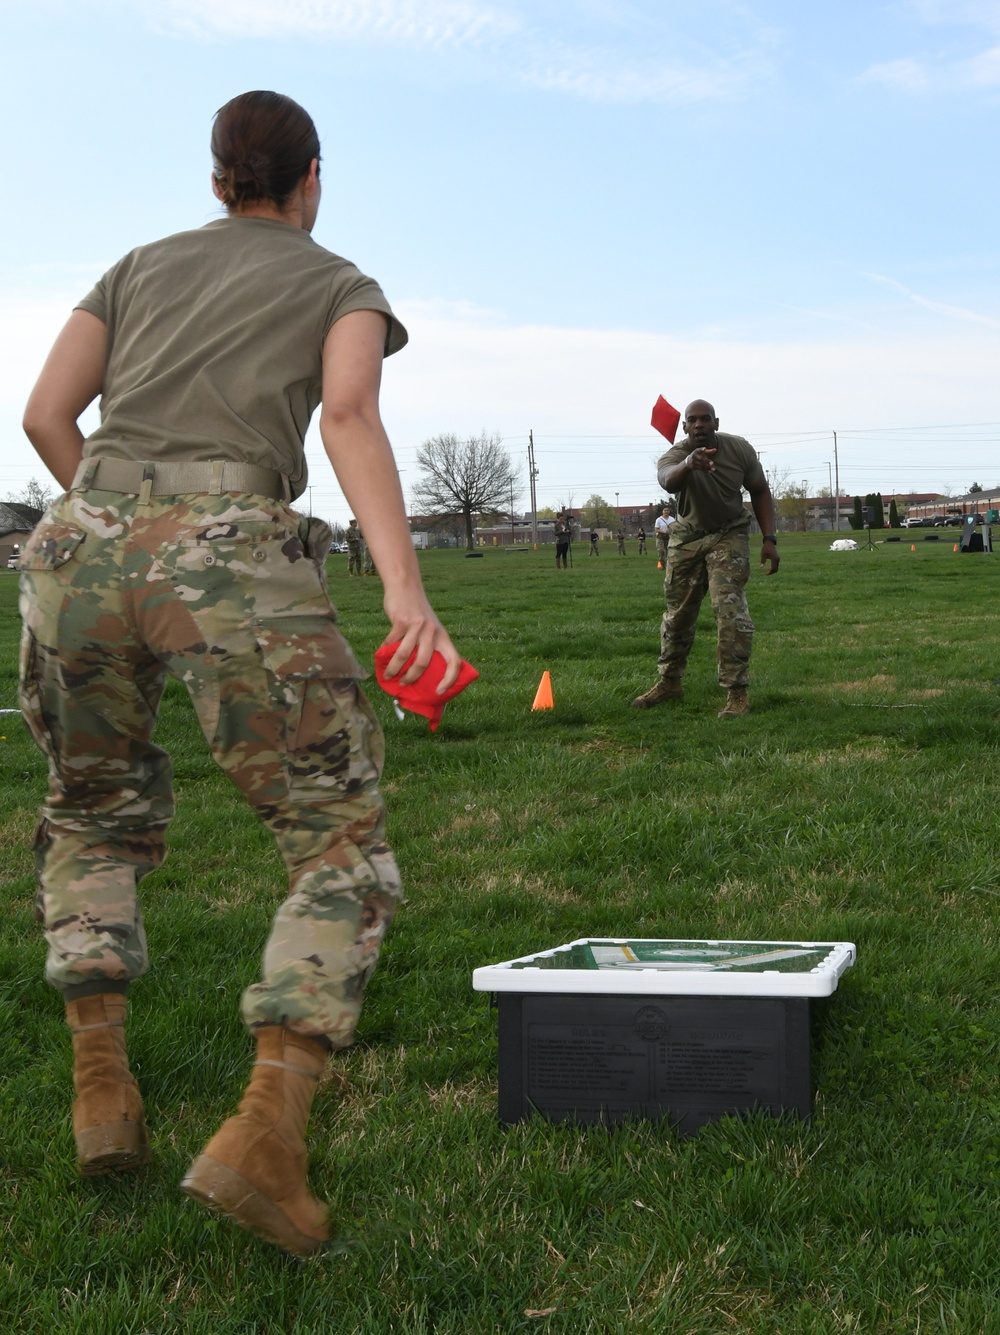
(609,1030)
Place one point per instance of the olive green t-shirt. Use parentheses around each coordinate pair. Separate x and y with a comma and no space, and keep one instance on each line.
(710,502)
(215,341)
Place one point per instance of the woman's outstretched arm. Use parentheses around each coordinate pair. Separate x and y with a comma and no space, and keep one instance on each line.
(359,450)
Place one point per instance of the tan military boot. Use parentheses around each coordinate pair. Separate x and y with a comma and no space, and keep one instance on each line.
(253,1170)
(667,688)
(737,703)
(108,1123)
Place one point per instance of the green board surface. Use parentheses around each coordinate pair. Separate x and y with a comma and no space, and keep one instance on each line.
(713,956)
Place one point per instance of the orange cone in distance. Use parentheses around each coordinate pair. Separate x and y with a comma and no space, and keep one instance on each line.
(543,696)
(912,547)
(955,548)
(659,565)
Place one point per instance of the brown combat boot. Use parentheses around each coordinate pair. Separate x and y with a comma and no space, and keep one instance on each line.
(108,1124)
(667,688)
(737,703)
(253,1170)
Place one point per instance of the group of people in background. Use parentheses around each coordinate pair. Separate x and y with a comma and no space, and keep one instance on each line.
(564,536)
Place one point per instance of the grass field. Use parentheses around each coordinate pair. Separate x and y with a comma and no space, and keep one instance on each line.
(856,802)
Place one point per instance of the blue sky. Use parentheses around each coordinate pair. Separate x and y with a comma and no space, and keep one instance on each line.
(791,209)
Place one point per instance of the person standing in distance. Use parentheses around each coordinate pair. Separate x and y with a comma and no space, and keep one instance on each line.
(175,550)
(661,527)
(353,548)
(563,535)
(641,535)
(709,552)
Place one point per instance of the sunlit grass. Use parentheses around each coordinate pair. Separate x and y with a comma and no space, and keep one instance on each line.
(857,801)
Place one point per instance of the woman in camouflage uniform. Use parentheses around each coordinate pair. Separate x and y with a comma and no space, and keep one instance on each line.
(175,550)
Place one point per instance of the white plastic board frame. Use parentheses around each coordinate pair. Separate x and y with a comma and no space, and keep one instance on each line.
(638,966)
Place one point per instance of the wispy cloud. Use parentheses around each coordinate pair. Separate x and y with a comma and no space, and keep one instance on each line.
(940,307)
(906,74)
(602,78)
(924,76)
(419,23)
(971,13)
(946,71)
(590,51)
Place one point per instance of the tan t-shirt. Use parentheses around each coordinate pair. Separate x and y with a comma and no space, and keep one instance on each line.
(215,341)
(710,502)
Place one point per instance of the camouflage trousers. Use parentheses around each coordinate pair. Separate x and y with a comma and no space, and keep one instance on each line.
(354,558)
(717,564)
(661,549)
(227,594)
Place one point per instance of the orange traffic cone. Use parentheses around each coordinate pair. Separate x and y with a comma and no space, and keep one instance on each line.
(543,696)
(659,565)
(912,547)
(955,548)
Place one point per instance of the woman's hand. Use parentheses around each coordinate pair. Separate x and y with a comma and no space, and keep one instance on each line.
(414,623)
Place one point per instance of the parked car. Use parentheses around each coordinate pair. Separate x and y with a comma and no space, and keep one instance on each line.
(13,561)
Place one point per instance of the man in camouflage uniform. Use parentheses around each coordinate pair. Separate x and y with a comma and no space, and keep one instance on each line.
(353,548)
(620,536)
(369,560)
(709,552)
(226,593)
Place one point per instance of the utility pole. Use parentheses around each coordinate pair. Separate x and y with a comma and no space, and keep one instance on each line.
(512,512)
(829,474)
(532,474)
(836,466)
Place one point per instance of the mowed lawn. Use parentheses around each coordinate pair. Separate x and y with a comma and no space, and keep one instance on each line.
(858,801)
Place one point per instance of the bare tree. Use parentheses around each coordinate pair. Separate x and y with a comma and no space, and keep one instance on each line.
(465,477)
(35,494)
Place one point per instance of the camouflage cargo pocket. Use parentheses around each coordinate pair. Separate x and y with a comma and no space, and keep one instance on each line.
(29,696)
(299,652)
(50,546)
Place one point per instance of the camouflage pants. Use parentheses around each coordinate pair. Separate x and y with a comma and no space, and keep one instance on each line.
(661,549)
(226,593)
(717,564)
(353,558)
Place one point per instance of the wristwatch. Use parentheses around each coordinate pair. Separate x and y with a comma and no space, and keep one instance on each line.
(769,537)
